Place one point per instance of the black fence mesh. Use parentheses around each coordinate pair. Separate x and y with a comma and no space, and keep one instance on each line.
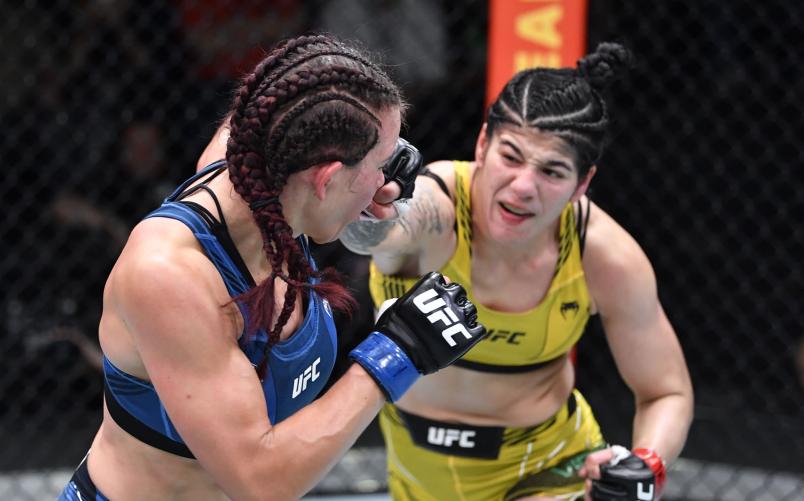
(108,104)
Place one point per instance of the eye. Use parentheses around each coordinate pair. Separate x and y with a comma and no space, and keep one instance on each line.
(510,158)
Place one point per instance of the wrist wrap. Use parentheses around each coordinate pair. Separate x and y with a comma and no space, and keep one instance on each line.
(387,363)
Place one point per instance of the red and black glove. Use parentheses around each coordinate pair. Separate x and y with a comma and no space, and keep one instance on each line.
(637,475)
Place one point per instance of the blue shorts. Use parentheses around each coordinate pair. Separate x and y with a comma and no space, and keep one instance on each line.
(81,487)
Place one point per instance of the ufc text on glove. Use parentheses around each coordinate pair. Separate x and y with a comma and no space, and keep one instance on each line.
(425,330)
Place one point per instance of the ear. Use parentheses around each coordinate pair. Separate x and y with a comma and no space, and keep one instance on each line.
(320,176)
(481,146)
(583,185)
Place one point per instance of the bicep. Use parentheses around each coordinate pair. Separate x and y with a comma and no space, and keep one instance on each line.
(645,349)
(640,336)
(208,387)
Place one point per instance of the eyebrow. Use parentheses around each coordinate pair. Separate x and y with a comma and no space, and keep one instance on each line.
(550,163)
(558,163)
(506,142)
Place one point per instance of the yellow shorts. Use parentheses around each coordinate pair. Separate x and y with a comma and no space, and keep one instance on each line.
(433,460)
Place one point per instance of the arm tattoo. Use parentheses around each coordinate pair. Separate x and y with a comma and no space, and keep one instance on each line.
(421,217)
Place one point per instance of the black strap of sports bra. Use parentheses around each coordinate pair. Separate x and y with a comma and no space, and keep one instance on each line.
(141,431)
(503,369)
(203,186)
(583,221)
(222,234)
(441,184)
(216,226)
(435,177)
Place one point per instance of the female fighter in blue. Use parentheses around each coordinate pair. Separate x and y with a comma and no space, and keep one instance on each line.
(217,328)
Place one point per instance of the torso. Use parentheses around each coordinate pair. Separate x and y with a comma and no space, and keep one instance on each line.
(121,466)
(518,399)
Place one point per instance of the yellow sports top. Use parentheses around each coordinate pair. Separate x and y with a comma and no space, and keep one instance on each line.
(517,342)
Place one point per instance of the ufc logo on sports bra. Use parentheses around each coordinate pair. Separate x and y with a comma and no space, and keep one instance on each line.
(439,312)
(309,375)
(448,436)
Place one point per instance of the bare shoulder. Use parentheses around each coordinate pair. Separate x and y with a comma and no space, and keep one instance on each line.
(614,263)
(160,270)
(445,169)
(431,203)
(434,216)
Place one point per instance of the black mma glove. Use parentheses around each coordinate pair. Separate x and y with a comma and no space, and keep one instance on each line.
(427,329)
(403,167)
(630,476)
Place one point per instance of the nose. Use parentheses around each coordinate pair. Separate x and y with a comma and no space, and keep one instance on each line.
(524,185)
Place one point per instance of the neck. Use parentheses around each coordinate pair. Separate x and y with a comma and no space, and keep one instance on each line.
(240,222)
(516,252)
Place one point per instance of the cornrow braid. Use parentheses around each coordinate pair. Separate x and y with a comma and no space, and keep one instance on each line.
(564,101)
(312,55)
(354,81)
(313,99)
(280,130)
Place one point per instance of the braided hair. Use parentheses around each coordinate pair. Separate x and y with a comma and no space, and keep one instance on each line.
(313,99)
(564,101)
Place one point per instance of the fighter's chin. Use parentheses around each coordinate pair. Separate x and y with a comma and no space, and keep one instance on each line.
(508,234)
(325,239)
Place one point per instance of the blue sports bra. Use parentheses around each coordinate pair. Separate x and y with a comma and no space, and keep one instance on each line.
(296,370)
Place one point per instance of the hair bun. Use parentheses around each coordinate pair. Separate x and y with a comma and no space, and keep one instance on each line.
(606,64)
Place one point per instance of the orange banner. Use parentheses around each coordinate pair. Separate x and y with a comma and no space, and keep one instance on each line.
(528,33)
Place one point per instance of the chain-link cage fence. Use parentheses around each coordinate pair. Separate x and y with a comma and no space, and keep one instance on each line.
(108,104)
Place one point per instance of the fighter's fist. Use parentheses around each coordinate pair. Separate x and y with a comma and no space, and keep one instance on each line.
(630,476)
(403,167)
(425,330)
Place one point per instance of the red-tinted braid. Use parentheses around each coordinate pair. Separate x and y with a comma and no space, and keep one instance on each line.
(280,131)
(275,230)
(312,55)
(302,46)
(299,109)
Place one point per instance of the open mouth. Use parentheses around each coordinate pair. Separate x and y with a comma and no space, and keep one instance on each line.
(366,215)
(516,211)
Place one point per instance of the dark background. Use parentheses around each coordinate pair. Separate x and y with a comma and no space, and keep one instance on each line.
(107,105)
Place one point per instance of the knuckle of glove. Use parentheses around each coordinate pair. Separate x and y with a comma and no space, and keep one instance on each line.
(403,167)
(628,480)
(441,320)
